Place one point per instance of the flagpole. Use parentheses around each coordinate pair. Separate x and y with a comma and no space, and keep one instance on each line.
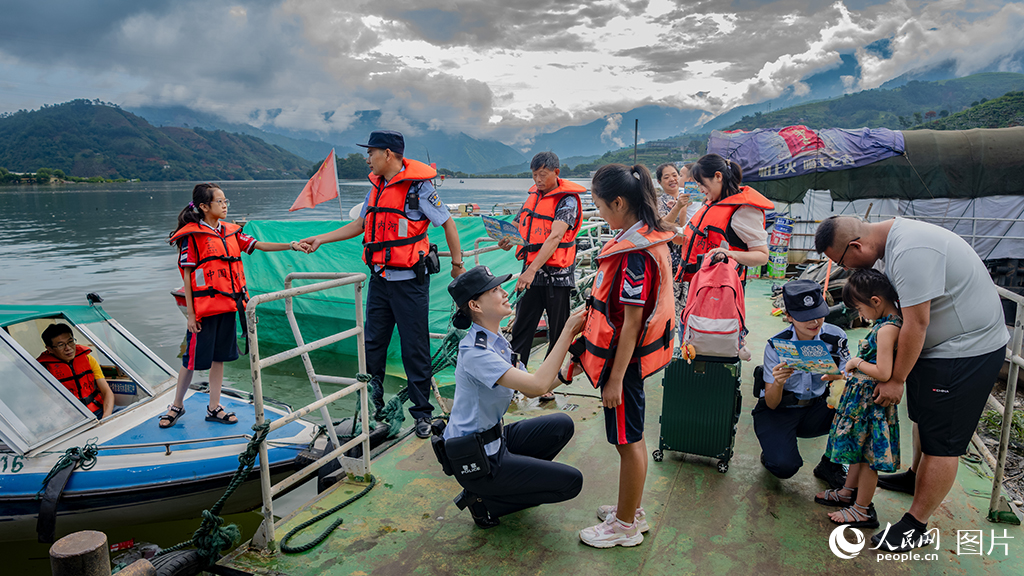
(337,186)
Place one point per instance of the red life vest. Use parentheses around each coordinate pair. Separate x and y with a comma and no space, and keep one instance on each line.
(76,377)
(390,238)
(218,282)
(601,337)
(535,220)
(712,225)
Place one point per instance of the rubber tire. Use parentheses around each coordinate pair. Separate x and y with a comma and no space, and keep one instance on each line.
(723,467)
(658,455)
(179,563)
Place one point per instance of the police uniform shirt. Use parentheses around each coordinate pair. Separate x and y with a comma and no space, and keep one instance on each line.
(804,384)
(430,206)
(480,402)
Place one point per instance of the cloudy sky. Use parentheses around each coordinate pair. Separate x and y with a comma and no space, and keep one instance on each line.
(504,69)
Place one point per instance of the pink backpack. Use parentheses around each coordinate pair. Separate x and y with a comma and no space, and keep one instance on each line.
(713,319)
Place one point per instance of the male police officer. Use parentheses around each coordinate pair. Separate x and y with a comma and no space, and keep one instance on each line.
(396,214)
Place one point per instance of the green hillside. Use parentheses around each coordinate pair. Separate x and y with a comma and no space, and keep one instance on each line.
(1002,112)
(86,138)
(898,109)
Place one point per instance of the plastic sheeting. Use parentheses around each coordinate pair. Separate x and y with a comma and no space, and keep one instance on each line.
(993,225)
(937,164)
(323,313)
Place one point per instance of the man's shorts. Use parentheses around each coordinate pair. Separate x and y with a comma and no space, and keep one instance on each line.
(945,397)
(624,424)
(215,342)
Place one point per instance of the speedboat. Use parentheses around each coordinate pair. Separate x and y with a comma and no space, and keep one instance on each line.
(141,473)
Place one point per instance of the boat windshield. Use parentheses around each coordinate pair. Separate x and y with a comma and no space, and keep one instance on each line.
(148,368)
(33,408)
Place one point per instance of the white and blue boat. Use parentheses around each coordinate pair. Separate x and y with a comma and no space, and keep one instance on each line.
(142,473)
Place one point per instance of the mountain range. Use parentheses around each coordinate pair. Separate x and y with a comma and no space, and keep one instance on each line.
(87,138)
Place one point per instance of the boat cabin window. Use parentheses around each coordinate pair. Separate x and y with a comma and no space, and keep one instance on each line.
(121,371)
(155,374)
(33,409)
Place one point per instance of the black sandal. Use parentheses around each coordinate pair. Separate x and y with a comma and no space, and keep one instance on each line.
(167,420)
(832,497)
(213,415)
(852,514)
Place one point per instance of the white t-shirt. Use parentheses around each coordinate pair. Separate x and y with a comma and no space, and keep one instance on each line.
(748,223)
(925,263)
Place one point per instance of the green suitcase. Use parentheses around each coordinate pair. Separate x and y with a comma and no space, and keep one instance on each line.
(700,408)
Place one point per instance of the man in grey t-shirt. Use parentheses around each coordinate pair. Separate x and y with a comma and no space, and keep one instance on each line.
(948,355)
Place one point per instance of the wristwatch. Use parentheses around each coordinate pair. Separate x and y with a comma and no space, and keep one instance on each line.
(458,265)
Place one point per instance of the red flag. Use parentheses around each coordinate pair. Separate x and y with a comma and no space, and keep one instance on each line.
(323,186)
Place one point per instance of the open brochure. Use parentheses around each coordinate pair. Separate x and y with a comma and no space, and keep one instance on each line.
(499,229)
(807,355)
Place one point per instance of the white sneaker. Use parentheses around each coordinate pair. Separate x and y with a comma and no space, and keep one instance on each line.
(607,512)
(612,533)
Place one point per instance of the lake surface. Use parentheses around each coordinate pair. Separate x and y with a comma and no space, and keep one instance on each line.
(61,242)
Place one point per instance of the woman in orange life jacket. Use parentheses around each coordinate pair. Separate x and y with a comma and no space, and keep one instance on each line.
(211,266)
(628,335)
(731,221)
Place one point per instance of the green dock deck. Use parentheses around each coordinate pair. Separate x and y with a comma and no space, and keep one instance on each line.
(702,522)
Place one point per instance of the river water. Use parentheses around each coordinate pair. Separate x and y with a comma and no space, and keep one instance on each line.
(61,242)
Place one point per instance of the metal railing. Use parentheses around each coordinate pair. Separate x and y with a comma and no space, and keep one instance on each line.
(264,536)
(997,508)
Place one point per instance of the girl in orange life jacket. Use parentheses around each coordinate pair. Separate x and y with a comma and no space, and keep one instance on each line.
(731,221)
(628,335)
(211,266)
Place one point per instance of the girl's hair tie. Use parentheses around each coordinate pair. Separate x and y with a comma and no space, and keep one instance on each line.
(191,205)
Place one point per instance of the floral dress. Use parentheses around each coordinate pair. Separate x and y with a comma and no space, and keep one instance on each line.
(862,431)
(676,256)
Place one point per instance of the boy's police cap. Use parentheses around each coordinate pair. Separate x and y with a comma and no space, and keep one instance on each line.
(386,139)
(470,285)
(804,300)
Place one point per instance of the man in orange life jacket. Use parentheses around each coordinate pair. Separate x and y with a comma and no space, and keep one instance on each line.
(396,214)
(75,368)
(548,221)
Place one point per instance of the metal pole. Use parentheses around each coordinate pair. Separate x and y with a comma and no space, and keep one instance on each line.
(364,407)
(325,415)
(1007,424)
(636,135)
(267,527)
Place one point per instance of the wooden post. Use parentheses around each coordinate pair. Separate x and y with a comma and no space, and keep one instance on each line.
(84,553)
(140,567)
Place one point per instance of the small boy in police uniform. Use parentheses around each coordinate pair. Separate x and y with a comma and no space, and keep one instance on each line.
(791,403)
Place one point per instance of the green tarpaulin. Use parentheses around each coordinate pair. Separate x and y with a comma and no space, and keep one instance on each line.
(323,313)
(937,164)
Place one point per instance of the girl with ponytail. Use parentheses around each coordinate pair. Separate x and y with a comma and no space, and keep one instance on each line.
(628,336)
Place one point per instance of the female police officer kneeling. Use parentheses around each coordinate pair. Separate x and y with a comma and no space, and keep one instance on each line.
(502,469)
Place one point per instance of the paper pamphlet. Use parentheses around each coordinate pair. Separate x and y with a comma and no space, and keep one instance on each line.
(499,229)
(695,196)
(809,356)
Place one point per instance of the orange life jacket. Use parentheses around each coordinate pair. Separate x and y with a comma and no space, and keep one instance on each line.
(218,282)
(76,377)
(390,238)
(712,225)
(601,337)
(535,220)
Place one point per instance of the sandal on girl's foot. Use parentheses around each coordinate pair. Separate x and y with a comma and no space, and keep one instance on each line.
(857,516)
(168,420)
(547,397)
(219,415)
(832,497)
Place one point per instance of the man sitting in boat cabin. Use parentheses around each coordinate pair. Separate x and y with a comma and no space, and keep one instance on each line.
(792,403)
(74,367)
(548,222)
